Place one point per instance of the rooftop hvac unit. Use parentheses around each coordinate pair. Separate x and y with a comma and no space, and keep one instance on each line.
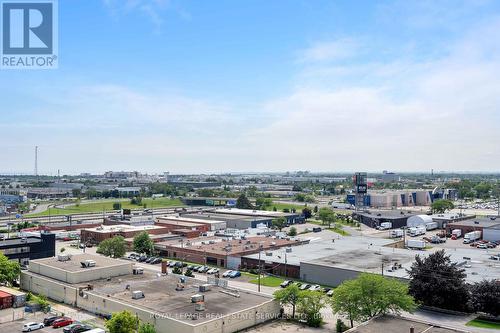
(137,271)
(273,243)
(288,250)
(269,254)
(199,306)
(137,294)
(87,263)
(205,287)
(197,298)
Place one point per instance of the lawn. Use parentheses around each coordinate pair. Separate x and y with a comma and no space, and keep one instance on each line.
(338,230)
(484,324)
(107,205)
(268,281)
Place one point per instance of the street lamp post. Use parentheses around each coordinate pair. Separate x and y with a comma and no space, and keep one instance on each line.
(260,266)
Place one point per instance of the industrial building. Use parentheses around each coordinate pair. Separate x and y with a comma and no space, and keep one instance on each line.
(396,324)
(373,218)
(221,251)
(167,302)
(203,201)
(331,261)
(210,224)
(24,249)
(240,222)
(445,218)
(291,218)
(98,234)
(391,199)
(487,225)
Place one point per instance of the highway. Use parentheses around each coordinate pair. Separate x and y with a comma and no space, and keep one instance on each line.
(99,215)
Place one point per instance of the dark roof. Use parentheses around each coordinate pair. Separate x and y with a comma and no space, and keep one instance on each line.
(19,240)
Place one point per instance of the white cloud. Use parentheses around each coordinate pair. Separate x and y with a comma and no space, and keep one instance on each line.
(330,50)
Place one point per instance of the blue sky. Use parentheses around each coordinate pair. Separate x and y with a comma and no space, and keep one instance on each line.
(215,86)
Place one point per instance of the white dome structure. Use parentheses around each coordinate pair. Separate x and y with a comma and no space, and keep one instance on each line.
(416,220)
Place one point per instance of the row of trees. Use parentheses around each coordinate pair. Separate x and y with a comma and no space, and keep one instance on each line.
(115,247)
(362,298)
(126,322)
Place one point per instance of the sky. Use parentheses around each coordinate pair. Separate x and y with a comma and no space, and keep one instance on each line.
(234,86)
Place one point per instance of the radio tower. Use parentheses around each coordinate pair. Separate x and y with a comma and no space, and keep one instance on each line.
(36,161)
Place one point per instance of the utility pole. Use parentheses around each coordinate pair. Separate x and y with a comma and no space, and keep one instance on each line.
(260,266)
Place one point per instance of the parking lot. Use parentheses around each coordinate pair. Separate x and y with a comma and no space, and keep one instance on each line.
(78,316)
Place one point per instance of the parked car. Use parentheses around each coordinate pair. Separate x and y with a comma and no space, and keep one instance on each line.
(204,269)
(142,259)
(326,290)
(171,263)
(330,293)
(28,327)
(149,259)
(76,328)
(285,283)
(305,286)
(213,271)
(234,274)
(226,273)
(49,320)
(191,267)
(156,261)
(315,288)
(61,322)
(482,246)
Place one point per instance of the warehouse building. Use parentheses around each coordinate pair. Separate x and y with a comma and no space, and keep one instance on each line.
(219,251)
(98,234)
(24,249)
(291,218)
(170,304)
(445,218)
(475,224)
(240,222)
(373,219)
(213,202)
(492,233)
(211,224)
(331,261)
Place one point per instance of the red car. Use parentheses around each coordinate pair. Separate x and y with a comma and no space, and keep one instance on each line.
(61,322)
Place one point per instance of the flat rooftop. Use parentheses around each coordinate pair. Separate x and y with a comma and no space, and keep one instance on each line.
(19,240)
(388,214)
(224,217)
(184,218)
(484,222)
(250,212)
(74,265)
(390,324)
(322,246)
(122,228)
(223,246)
(161,297)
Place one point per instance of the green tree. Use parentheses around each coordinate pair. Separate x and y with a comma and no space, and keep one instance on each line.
(292,232)
(122,322)
(442,205)
(243,202)
(288,296)
(327,216)
(485,297)
(143,243)
(309,305)
(307,212)
(263,203)
(117,205)
(112,247)
(300,197)
(436,281)
(146,328)
(279,223)
(370,295)
(9,270)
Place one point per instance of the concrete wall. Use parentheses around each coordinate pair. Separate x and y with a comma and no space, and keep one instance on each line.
(329,276)
(83,275)
(52,289)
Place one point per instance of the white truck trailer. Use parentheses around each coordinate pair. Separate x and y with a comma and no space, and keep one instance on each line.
(415,244)
(472,236)
(396,233)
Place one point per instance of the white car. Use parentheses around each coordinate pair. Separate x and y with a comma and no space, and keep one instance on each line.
(315,287)
(213,271)
(226,273)
(28,327)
